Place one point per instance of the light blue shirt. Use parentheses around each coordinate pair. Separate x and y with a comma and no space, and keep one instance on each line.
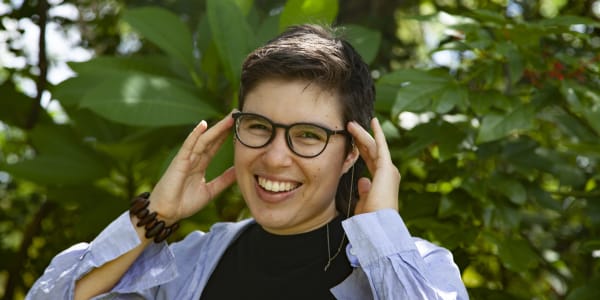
(388,263)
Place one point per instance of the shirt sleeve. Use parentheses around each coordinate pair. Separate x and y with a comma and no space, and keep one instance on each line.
(154,266)
(397,265)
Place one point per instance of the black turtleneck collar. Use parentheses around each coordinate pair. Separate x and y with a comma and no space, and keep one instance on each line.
(262,265)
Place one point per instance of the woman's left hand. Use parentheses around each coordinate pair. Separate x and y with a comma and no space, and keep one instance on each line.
(382,191)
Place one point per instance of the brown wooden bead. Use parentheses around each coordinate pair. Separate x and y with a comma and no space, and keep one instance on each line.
(147,219)
(163,235)
(155,230)
(174,226)
(142,214)
(150,224)
(138,204)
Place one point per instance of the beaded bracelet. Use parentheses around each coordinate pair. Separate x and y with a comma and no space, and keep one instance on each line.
(154,228)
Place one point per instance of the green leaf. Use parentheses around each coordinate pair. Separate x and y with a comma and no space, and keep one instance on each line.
(566,20)
(95,127)
(570,124)
(516,254)
(418,90)
(143,100)
(244,5)
(509,187)
(232,35)
(70,92)
(159,65)
(587,291)
(96,207)
(423,138)
(165,30)
(543,198)
(385,99)
(449,140)
(447,136)
(267,29)
(15,105)
(455,204)
(95,71)
(451,96)
(62,159)
(222,160)
(308,11)
(364,40)
(485,15)
(514,60)
(496,126)
(593,117)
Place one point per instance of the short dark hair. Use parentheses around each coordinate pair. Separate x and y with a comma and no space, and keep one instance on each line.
(320,56)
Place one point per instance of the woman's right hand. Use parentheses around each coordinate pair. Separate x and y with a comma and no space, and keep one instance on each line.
(183,190)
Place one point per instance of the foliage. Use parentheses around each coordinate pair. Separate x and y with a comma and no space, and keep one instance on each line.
(500,163)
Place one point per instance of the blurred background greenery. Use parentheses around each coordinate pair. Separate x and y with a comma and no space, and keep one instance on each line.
(491,109)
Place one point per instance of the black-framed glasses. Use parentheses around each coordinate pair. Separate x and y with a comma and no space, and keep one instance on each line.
(304,139)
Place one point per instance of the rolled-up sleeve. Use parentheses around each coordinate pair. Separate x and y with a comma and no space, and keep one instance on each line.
(397,265)
(154,266)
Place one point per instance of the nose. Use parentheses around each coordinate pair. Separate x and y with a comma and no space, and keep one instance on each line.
(277,153)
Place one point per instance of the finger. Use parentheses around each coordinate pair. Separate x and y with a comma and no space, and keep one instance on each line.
(365,143)
(364,187)
(190,141)
(383,152)
(210,141)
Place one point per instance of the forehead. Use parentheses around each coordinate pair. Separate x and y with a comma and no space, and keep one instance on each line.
(289,101)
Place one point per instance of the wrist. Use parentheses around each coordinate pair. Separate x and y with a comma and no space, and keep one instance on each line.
(154,227)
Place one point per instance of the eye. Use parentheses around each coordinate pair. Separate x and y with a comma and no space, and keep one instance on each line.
(308,134)
(255,125)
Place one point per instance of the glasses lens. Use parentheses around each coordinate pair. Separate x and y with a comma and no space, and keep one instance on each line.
(308,140)
(254,131)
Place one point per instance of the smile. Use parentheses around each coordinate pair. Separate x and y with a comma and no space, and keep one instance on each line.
(276,186)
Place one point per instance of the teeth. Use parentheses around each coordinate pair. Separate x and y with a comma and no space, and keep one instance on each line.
(276,186)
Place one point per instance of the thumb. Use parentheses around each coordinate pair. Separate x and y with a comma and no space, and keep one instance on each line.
(364,187)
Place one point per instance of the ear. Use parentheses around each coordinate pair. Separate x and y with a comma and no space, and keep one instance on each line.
(350,159)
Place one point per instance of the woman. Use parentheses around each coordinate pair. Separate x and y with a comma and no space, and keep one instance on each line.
(301,144)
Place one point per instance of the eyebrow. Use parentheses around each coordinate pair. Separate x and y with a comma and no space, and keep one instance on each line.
(343,127)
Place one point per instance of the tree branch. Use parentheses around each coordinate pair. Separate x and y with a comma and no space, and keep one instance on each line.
(42,79)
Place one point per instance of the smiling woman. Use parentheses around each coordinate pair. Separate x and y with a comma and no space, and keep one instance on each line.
(302,144)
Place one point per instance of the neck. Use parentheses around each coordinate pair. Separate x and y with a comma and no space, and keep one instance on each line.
(316,222)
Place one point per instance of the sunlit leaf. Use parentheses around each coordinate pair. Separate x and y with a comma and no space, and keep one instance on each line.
(308,11)
(159,65)
(418,90)
(164,29)
(364,40)
(232,35)
(138,99)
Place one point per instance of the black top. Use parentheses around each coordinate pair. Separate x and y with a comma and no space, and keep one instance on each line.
(261,265)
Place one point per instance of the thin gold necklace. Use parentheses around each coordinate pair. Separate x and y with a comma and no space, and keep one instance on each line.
(331,258)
